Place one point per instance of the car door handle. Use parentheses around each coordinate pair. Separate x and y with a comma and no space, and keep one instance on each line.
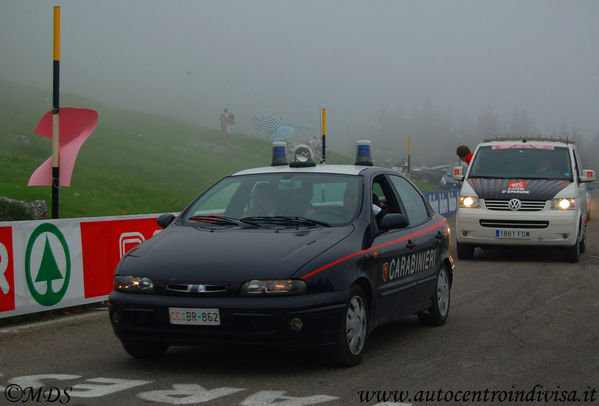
(410,245)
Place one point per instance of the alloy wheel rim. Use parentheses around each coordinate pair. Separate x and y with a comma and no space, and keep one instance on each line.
(355,325)
(443,293)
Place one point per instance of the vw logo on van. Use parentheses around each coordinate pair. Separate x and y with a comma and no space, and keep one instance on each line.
(515,204)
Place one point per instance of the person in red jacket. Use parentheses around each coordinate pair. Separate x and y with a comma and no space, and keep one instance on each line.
(464,153)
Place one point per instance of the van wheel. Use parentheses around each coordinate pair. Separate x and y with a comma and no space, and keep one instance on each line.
(354,330)
(465,251)
(572,254)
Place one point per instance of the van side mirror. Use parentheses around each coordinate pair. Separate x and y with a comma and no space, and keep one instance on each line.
(394,220)
(165,219)
(588,175)
(458,173)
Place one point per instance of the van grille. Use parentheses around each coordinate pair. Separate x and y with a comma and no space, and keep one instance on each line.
(527,205)
(514,223)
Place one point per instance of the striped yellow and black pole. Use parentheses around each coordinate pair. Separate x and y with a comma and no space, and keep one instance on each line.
(324,135)
(55,114)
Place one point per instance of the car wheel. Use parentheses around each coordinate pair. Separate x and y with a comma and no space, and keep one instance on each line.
(437,314)
(465,251)
(354,329)
(144,349)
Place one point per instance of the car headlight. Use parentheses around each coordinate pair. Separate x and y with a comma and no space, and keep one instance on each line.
(469,202)
(563,204)
(129,283)
(273,287)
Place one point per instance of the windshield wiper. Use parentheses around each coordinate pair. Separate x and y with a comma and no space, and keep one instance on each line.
(219,220)
(286,220)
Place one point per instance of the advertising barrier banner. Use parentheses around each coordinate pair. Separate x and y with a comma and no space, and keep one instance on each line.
(445,202)
(51,264)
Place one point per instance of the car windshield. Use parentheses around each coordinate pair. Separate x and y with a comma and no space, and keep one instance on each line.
(278,200)
(522,161)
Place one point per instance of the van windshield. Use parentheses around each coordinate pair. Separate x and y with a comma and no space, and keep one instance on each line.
(522,161)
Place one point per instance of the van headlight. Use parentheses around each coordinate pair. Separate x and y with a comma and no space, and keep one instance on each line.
(128,283)
(469,202)
(274,287)
(563,204)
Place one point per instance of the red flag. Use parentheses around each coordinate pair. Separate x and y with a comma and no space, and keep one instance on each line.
(75,126)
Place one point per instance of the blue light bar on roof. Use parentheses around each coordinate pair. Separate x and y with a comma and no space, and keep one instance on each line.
(279,153)
(363,156)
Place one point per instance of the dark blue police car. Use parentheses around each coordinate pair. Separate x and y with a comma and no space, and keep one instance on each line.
(298,254)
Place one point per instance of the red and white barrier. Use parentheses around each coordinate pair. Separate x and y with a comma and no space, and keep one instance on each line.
(51,264)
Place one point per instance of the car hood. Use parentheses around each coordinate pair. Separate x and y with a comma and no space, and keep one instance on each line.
(523,189)
(183,253)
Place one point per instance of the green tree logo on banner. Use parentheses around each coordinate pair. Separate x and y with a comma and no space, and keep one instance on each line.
(48,270)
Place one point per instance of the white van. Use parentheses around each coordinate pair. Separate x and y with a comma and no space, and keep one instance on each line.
(523,192)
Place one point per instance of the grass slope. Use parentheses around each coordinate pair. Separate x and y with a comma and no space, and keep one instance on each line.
(132,163)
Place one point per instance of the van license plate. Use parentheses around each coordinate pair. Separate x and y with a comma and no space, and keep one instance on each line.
(512,234)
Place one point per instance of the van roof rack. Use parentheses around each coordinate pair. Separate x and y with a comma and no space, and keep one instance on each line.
(565,140)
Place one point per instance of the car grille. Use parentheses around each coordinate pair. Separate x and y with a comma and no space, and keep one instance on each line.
(526,205)
(514,223)
(195,288)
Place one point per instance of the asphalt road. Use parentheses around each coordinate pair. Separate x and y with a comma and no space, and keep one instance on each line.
(523,325)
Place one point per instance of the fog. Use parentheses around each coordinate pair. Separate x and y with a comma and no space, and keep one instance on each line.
(377,66)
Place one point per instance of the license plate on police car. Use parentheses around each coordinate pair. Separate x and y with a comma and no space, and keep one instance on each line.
(194,317)
(512,234)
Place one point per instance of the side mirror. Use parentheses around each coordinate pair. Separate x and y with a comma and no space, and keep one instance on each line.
(165,219)
(394,220)
(458,173)
(588,175)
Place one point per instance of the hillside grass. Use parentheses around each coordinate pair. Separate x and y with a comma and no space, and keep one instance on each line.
(133,163)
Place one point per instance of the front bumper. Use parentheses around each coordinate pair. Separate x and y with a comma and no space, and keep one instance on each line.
(547,227)
(244,320)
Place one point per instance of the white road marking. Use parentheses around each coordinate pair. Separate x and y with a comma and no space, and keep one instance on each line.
(106,387)
(180,394)
(279,398)
(37,381)
(186,394)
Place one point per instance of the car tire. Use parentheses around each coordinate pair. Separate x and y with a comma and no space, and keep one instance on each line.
(465,251)
(353,333)
(144,349)
(439,311)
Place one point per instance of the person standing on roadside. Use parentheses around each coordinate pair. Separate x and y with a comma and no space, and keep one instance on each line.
(464,153)
(230,122)
(224,119)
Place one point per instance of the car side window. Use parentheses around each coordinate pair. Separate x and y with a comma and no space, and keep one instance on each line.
(382,196)
(412,200)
